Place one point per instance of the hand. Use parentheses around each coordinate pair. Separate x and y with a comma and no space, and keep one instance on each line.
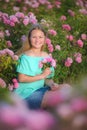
(54,86)
(46,72)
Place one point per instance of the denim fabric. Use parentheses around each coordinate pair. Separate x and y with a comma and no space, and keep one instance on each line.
(35,99)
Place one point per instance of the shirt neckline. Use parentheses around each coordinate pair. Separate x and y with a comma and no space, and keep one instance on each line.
(33,56)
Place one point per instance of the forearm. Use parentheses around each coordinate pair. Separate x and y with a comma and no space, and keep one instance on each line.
(26,78)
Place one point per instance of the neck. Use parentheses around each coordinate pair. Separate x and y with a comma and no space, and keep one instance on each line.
(35,50)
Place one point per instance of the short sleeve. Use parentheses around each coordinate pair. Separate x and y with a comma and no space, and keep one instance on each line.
(24,66)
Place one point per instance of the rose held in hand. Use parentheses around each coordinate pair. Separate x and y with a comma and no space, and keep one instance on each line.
(47,62)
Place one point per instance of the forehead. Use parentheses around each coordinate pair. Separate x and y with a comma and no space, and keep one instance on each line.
(37,31)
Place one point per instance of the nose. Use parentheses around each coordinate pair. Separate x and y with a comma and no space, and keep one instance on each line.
(37,39)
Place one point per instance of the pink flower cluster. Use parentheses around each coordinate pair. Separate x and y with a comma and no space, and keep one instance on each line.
(83,11)
(63,18)
(8,52)
(3,34)
(68,62)
(69,37)
(75,109)
(52,32)
(78,57)
(80,43)
(74,112)
(66,27)
(58,4)
(47,62)
(18,18)
(18,116)
(2,83)
(37,3)
(83,36)
(14,85)
(8,43)
(49,45)
(7,33)
(72,13)
(57,47)
(83,6)
(15,82)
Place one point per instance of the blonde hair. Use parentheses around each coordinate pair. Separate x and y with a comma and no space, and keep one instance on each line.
(27,44)
(25,47)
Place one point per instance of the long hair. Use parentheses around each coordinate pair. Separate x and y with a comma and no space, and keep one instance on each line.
(27,44)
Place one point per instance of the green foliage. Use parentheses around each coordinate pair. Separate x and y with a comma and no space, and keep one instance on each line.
(4,95)
(52,21)
(7,68)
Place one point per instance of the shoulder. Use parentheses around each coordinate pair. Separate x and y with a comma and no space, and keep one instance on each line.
(45,54)
(23,57)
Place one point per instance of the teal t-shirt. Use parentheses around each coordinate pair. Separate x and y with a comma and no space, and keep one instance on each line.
(29,65)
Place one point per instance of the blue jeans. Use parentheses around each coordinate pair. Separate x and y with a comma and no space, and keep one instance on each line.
(35,99)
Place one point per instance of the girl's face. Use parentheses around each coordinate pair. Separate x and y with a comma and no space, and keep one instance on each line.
(37,39)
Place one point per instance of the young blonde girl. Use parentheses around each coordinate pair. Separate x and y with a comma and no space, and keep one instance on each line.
(35,85)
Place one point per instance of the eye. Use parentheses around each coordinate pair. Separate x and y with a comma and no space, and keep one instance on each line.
(41,36)
(33,37)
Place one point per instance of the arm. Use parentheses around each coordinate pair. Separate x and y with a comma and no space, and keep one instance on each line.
(26,78)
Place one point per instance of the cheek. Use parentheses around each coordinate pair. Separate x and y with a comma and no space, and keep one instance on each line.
(32,40)
(43,41)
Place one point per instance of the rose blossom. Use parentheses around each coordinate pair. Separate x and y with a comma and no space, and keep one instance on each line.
(52,32)
(68,62)
(9,44)
(63,18)
(72,13)
(66,27)
(57,47)
(83,36)
(78,57)
(69,37)
(80,43)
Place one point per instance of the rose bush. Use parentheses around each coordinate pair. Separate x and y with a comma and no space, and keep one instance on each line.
(65,22)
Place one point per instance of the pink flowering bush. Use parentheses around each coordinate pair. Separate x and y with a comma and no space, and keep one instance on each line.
(65,23)
(15,115)
(72,110)
(11,24)
(67,110)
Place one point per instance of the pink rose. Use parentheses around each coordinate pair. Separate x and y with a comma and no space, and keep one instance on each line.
(80,43)
(69,37)
(66,27)
(83,36)
(52,32)
(68,62)
(63,18)
(78,59)
(57,47)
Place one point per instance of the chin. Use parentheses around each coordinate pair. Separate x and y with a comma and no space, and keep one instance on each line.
(38,47)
